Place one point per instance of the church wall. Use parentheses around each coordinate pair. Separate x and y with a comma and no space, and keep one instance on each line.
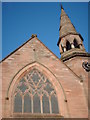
(75,64)
(34,50)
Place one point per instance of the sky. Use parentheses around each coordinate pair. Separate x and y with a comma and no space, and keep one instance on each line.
(22,19)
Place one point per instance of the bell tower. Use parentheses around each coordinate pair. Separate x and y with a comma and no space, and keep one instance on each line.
(70,42)
(71,47)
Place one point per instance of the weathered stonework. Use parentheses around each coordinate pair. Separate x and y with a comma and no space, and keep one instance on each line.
(69,90)
(67,75)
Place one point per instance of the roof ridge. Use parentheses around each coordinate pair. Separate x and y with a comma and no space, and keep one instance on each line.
(16,50)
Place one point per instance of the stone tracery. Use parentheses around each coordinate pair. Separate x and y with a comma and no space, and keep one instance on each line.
(35,94)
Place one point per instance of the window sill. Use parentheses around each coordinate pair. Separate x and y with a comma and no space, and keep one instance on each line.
(28,115)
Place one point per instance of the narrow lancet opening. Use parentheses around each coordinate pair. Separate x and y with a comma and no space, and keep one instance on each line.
(68,45)
(76,44)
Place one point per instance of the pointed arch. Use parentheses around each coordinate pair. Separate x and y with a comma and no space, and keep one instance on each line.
(76,43)
(68,45)
(52,78)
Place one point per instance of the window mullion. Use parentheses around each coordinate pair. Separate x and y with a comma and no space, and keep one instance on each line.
(32,103)
(22,104)
(41,104)
(50,105)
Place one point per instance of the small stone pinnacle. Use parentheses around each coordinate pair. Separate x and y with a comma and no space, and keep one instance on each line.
(34,35)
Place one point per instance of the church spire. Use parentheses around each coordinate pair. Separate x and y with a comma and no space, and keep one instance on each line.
(66,27)
(69,39)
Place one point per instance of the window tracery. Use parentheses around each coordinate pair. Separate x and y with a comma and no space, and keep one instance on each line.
(35,94)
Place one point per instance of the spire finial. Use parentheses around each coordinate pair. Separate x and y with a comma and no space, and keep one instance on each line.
(62,7)
(34,35)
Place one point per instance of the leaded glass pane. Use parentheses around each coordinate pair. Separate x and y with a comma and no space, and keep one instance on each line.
(23,87)
(18,103)
(31,87)
(27,103)
(22,80)
(54,104)
(46,108)
(35,78)
(48,88)
(36,104)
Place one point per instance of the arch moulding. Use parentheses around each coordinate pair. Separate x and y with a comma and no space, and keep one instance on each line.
(52,78)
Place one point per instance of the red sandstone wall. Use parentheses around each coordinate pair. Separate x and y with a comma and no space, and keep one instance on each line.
(76,105)
(75,64)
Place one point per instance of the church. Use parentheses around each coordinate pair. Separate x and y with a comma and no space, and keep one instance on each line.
(37,84)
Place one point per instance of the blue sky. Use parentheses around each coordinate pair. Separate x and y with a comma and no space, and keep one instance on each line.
(20,20)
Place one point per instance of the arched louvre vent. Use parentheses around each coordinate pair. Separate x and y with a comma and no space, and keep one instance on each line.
(68,45)
(76,44)
(35,94)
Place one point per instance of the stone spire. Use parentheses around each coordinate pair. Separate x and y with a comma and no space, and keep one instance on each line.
(70,42)
(66,27)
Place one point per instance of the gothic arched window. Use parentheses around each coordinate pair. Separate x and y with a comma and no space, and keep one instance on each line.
(76,44)
(35,94)
(68,45)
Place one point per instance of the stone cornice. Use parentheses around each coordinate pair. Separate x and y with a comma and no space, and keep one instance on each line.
(74,53)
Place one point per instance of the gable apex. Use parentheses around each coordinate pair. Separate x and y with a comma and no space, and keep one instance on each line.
(33,36)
